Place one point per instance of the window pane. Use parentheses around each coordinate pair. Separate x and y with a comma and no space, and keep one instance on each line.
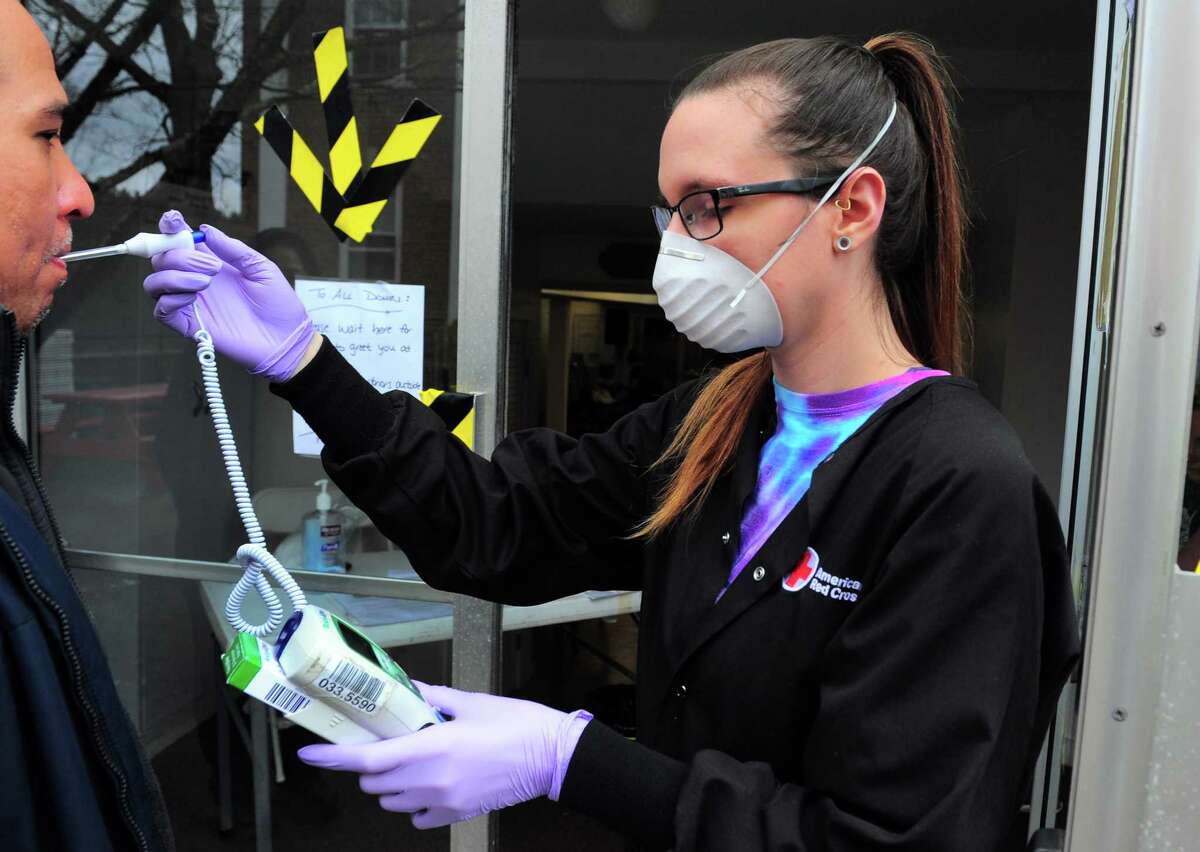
(124,431)
(378,55)
(357,265)
(124,436)
(378,12)
(381,265)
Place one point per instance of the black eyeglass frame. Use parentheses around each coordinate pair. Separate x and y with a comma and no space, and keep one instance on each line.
(798,186)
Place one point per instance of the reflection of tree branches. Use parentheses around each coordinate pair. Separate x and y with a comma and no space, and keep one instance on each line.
(392,81)
(118,92)
(120,58)
(147,159)
(204,100)
(91,34)
(188,157)
(259,65)
(193,64)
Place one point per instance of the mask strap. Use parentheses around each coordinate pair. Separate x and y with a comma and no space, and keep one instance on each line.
(828,194)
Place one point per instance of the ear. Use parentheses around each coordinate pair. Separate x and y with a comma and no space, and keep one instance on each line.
(865,193)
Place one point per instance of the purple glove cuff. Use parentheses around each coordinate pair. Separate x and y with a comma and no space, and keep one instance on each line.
(569,734)
(281,364)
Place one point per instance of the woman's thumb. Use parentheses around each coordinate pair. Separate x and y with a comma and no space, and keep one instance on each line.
(237,254)
(451,701)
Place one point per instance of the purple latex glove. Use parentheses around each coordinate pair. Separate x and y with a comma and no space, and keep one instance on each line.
(495,752)
(253,314)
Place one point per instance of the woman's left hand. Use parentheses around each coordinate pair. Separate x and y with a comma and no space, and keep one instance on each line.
(494,753)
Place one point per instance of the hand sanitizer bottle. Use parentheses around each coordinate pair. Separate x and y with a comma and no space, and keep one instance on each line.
(323,542)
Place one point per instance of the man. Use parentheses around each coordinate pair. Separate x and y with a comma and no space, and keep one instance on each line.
(74,774)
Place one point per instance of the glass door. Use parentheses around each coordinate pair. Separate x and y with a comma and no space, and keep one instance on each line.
(165,99)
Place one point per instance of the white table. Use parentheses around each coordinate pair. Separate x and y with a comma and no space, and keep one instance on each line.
(416,626)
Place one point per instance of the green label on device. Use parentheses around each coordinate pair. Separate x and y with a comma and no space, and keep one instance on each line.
(242,661)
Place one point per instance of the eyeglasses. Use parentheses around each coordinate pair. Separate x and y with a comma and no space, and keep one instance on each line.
(700,211)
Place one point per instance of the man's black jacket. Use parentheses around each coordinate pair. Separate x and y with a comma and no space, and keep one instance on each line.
(75,778)
(877,678)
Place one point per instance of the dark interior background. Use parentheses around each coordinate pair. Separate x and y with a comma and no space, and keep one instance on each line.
(593,88)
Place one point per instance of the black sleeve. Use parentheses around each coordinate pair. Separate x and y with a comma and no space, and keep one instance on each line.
(935,692)
(547,516)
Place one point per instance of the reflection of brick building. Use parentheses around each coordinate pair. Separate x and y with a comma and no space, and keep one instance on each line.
(398,50)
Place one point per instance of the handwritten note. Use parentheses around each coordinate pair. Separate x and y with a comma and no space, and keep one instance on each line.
(379,328)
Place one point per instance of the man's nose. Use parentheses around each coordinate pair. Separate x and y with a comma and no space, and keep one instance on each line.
(75,198)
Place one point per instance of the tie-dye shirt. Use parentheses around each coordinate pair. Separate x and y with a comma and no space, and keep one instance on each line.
(811,426)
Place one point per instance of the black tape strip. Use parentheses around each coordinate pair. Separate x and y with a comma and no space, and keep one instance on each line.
(277,130)
(278,133)
(452,408)
(338,109)
(418,109)
(377,184)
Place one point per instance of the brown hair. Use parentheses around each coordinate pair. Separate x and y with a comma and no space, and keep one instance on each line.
(833,97)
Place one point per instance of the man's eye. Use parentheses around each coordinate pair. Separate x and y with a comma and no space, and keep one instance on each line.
(49,135)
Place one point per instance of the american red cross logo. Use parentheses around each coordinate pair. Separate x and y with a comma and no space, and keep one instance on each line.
(804,571)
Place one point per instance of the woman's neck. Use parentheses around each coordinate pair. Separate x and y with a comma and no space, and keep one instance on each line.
(855,345)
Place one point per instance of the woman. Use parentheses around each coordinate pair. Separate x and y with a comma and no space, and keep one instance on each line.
(856,616)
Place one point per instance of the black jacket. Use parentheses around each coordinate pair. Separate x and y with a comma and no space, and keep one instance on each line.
(74,776)
(894,699)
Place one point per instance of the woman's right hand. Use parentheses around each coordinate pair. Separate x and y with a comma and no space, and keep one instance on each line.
(241,298)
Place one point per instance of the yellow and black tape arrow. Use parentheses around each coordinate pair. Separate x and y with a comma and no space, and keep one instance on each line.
(303,165)
(333,86)
(370,193)
(351,202)
(457,411)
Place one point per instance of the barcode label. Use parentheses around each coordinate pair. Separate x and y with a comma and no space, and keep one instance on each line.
(354,679)
(287,700)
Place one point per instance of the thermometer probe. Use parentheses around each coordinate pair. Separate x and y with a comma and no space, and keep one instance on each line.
(140,245)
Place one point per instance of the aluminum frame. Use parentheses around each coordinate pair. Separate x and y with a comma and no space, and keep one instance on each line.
(1102,186)
(483,239)
(225,572)
(1144,425)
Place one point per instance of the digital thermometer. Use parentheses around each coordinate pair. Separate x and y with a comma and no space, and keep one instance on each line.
(332,661)
(328,677)
(322,673)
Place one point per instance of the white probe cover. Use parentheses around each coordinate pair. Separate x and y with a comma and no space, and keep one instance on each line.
(148,245)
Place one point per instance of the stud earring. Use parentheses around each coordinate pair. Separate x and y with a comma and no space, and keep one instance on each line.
(843,243)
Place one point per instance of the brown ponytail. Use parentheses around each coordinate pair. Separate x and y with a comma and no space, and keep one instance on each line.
(925,295)
(703,439)
(833,98)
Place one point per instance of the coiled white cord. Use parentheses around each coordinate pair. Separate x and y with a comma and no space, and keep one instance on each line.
(254,557)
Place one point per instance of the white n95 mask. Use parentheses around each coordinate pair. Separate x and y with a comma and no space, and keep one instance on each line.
(696,284)
(715,300)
